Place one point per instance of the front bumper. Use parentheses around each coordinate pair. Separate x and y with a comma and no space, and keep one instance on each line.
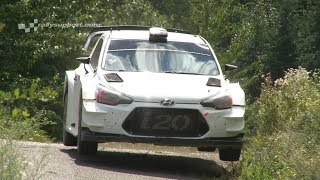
(105,123)
(235,142)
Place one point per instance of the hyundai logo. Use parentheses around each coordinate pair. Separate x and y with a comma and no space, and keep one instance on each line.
(167,102)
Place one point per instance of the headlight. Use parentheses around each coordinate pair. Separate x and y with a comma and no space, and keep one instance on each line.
(223,102)
(111,98)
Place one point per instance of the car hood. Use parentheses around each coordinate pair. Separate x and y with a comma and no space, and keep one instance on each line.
(154,87)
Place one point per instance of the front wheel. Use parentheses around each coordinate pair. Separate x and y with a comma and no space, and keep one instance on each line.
(87,147)
(84,147)
(229,154)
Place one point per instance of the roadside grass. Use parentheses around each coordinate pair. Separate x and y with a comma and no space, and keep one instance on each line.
(22,118)
(12,162)
(15,165)
(284,130)
(21,128)
(12,166)
(36,167)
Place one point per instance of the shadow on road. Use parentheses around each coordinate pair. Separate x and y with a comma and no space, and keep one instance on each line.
(156,165)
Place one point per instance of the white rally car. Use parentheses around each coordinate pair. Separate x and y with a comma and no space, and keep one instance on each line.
(152,85)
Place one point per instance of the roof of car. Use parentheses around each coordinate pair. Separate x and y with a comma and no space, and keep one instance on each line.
(144,34)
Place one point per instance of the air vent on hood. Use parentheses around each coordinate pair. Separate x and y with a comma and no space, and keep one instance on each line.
(113,77)
(214,82)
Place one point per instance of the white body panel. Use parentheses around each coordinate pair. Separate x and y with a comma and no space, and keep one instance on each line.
(73,100)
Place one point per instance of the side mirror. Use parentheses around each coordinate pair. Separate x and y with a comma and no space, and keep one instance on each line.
(229,67)
(84,60)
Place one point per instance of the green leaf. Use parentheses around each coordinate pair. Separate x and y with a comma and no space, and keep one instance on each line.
(15,112)
(16,93)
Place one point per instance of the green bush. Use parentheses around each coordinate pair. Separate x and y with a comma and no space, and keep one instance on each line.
(284,129)
(31,110)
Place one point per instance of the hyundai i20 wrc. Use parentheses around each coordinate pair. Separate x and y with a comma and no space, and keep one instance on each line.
(152,85)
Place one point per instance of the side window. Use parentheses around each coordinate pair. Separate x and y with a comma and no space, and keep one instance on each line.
(95,55)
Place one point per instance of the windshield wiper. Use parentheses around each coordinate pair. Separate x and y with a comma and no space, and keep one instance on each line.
(118,70)
(175,72)
(124,70)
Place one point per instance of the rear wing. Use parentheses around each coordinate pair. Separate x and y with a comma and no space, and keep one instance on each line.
(98,31)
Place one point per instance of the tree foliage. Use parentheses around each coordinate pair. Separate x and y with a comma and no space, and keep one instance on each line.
(260,36)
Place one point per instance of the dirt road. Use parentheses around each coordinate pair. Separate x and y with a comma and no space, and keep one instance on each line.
(120,161)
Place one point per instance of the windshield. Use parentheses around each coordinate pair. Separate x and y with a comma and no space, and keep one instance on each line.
(170,57)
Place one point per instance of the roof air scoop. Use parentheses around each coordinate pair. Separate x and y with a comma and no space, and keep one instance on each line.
(113,77)
(157,34)
(214,82)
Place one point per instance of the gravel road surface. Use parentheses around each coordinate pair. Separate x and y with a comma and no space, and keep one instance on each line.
(120,161)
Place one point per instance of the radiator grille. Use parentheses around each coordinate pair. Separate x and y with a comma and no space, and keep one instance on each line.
(165,122)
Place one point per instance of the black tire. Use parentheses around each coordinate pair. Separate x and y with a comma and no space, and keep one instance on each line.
(68,139)
(229,154)
(206,148)
(84,147)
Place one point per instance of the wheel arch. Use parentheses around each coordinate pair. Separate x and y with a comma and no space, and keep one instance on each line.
(68,82)
(69,90)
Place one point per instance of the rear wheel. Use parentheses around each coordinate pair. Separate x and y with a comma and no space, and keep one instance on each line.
(229,154)
(84,147)
(68,139)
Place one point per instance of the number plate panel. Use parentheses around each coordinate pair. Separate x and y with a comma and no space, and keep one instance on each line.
(166,122)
